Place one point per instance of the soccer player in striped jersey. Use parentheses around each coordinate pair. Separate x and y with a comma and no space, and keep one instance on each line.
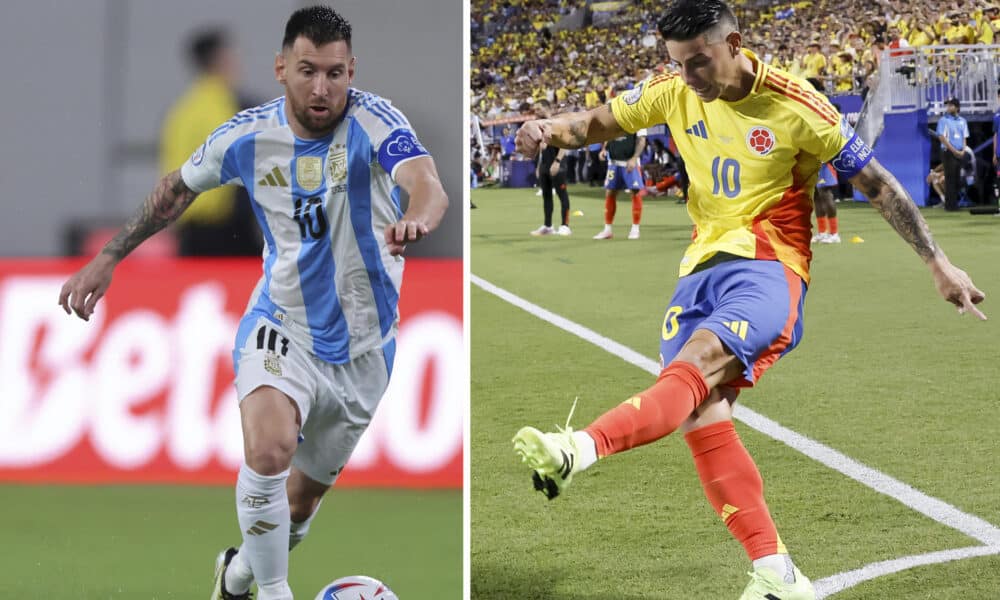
(756,139)
(323,165)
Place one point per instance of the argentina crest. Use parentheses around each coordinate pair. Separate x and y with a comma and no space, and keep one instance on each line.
(309,172)
(337,163)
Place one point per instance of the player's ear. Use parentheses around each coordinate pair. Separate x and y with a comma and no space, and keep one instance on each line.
(350,69)
(735,42)
(279,68)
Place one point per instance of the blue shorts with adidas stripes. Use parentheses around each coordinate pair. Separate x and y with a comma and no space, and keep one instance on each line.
(620,178)
(753,306)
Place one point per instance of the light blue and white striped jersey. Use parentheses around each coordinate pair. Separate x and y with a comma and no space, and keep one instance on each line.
(322,206)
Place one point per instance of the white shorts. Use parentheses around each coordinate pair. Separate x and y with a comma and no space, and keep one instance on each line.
(336,402)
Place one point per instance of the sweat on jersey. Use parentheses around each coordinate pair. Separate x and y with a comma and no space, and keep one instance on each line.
(752,163)
(322,206)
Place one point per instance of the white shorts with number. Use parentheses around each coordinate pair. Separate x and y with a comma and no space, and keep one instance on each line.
(336,402)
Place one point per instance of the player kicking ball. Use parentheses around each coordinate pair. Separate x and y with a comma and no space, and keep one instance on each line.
(737,307)
(315,348)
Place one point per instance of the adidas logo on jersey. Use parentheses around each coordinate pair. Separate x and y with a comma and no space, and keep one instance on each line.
(698,130)
(274,179)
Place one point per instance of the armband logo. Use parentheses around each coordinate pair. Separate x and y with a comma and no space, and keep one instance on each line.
(404,144)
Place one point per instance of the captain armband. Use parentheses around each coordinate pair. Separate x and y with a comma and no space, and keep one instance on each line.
(852,157)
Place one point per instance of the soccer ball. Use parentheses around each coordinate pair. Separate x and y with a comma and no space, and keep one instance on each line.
(356,587)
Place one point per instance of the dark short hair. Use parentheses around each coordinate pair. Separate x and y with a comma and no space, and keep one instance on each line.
(204,47)
(687,19)
(318,24)
(955,102)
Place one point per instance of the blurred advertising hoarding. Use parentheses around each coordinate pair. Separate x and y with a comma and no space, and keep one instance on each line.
(143,392)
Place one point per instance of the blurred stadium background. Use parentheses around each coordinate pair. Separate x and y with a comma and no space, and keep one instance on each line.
(119,438)
(886,373)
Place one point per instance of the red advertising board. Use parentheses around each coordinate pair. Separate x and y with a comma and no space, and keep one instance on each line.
(143,391)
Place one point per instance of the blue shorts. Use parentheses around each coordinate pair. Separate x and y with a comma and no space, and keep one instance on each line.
(753,306)
(827,176)
(620,178)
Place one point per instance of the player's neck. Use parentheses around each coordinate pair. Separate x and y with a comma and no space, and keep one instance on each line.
(742,82)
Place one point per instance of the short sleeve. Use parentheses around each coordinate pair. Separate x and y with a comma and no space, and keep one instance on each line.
(829,137)
(204,169)
(398,147)
(644,105)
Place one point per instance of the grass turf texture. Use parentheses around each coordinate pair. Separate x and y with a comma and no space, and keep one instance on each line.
(886,373)
(157,542)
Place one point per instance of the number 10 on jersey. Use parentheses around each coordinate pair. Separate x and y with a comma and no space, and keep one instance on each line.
(725,177)
(311,218)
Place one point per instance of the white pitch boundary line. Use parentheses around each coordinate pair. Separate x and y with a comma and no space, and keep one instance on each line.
(829,586)
(936,509)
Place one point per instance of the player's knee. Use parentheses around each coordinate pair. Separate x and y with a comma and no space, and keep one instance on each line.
(269,458)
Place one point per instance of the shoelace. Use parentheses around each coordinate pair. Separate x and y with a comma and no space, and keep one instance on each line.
(567,429)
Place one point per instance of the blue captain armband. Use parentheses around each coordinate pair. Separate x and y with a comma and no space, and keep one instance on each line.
(401,145)
(852,157)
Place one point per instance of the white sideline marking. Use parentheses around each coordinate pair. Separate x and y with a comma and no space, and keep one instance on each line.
(936,509)
(841,581)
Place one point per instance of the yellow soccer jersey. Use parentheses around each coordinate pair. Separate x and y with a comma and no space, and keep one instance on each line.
(752,163)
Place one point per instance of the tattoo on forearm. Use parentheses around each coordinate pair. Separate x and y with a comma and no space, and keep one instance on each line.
(888,196)
(167,201)
(577,133)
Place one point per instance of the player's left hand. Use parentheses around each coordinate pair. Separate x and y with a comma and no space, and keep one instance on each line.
(630,165)
(956,287)
(399,233)
(554,169)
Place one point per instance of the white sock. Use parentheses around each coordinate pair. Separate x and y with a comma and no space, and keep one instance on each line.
(635,227)
(262,510)
(238,574)
(780,564)
(298,531)
(607,228)
(587,450)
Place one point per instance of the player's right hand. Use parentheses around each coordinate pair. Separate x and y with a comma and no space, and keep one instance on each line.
(531,135)
(88,285)
(956,287)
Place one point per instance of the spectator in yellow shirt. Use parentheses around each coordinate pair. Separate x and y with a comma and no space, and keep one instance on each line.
(814,64)
(212,225)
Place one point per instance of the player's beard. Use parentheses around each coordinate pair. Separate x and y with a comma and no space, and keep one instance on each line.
(318,124)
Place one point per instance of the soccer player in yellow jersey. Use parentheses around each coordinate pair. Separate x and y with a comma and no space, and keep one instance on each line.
(754,138)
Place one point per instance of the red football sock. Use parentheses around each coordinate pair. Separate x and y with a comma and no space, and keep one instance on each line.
(610,204)
(734,487)
(822,224)
(636,208)
(652,414)
(834,226)
(666,183)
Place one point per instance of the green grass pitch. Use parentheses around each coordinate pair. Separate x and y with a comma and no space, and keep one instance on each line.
(887,373)
(160,542)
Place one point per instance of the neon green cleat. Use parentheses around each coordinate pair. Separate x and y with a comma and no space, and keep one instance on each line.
(219,590)
(766,585)
(553,456)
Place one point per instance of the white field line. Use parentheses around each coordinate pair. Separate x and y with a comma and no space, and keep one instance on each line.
(936,509)
(829,586)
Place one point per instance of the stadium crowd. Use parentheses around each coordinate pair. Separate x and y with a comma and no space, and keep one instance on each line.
(520,54)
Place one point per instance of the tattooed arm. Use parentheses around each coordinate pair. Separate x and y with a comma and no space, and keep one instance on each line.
(568,130)
(167,201)
(890,198)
